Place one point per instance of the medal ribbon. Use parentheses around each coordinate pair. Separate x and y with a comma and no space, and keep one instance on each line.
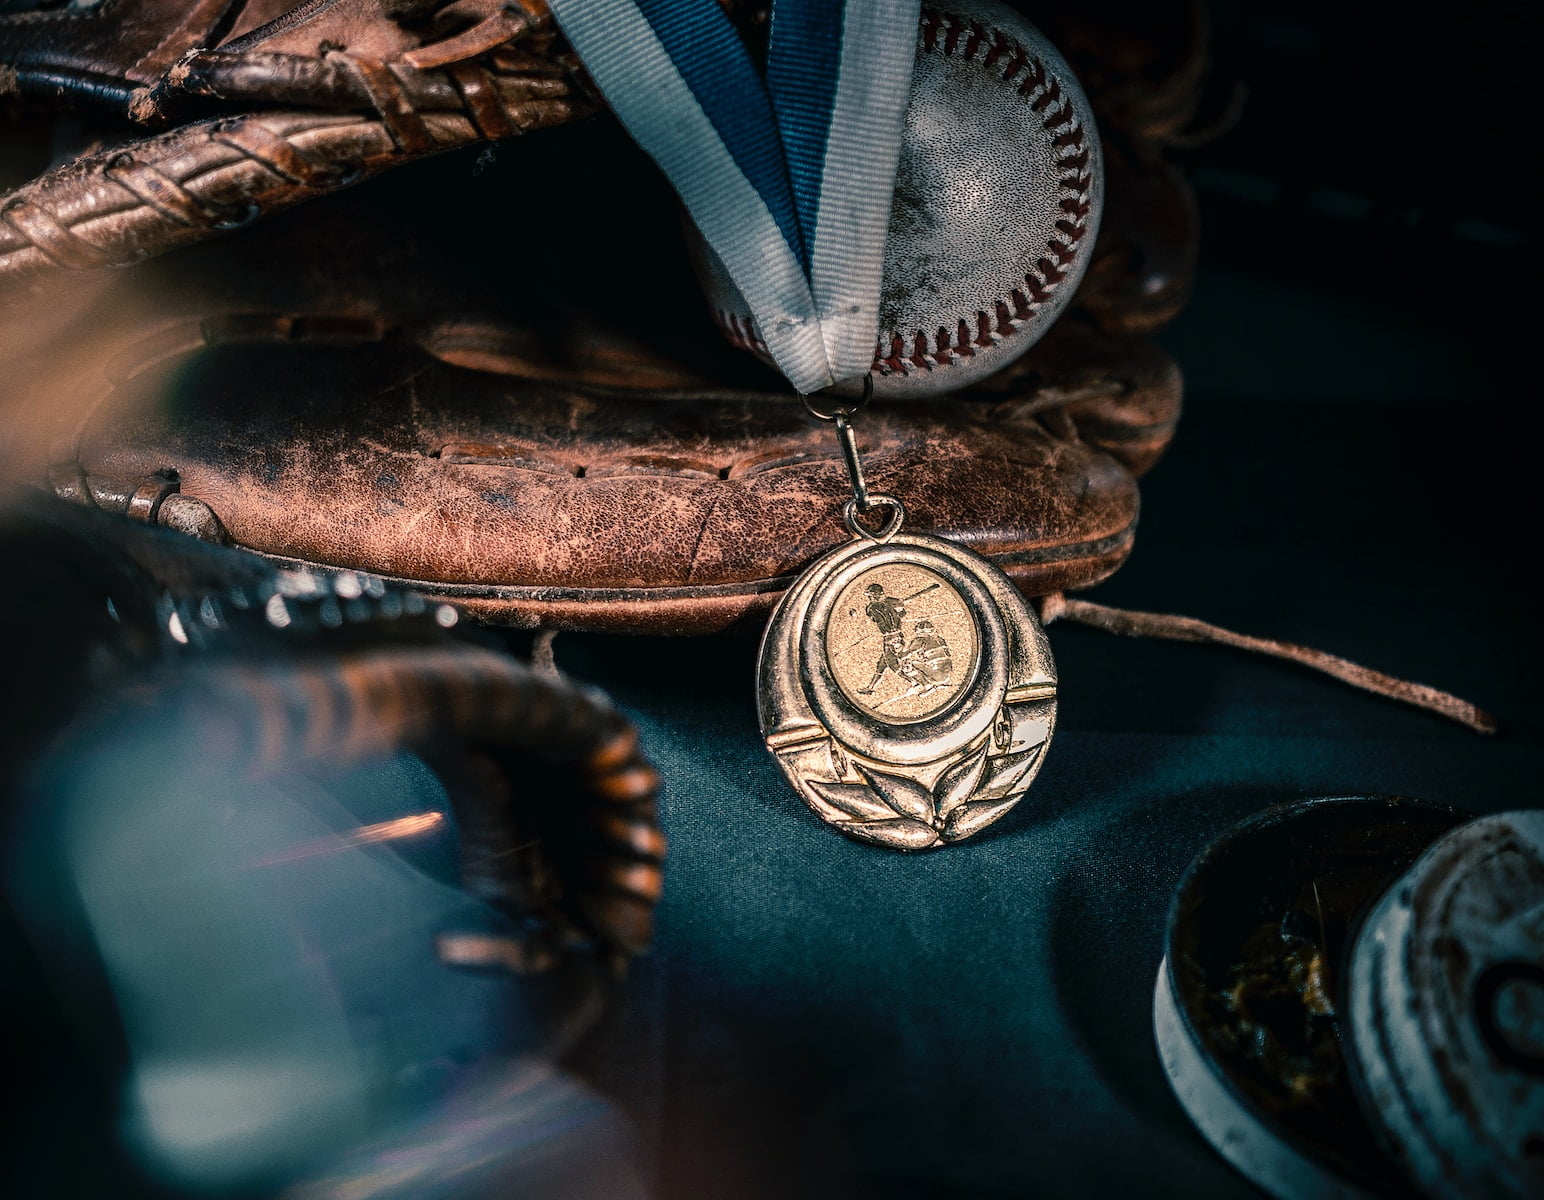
(789,178)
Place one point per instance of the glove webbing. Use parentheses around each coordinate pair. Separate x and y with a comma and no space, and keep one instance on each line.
(178,186)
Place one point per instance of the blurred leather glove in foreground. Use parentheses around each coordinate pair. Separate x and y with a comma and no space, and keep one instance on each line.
(320,887)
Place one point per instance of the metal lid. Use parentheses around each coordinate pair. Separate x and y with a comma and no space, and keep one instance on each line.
(1446,1006)
(1246,1011)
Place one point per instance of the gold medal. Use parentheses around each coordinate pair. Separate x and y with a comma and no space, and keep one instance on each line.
(906,687)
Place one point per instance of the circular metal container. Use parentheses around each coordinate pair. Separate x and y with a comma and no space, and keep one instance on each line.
(1248,1010)
(1445,994)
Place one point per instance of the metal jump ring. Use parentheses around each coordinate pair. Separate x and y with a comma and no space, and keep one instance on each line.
(845,408)
(885,532)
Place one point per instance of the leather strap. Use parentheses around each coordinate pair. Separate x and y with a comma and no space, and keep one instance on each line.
(1168,627)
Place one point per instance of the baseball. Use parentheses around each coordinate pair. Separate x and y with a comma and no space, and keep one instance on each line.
(997,201)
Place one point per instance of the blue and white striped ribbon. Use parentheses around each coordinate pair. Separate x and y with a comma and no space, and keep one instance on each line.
(790,177)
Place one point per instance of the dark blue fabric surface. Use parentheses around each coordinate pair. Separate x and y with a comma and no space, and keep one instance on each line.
(822,1018)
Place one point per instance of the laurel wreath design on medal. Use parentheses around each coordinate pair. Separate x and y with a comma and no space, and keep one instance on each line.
(894,811)
(907,689)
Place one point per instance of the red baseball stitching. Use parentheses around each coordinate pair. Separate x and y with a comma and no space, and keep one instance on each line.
(896,353)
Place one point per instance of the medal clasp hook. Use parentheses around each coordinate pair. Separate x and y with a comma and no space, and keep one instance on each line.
(840,413)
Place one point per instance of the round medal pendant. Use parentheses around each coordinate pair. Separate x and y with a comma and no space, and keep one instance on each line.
(907,690)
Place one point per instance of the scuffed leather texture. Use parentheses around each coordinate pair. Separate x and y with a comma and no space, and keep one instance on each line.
(678,514)
(322,389)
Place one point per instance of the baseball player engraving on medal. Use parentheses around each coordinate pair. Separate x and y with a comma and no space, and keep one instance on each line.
(906,688)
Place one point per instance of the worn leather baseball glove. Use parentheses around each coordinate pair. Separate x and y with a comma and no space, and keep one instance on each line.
(492,376)
(248,672)
(238,800)
(207,116)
